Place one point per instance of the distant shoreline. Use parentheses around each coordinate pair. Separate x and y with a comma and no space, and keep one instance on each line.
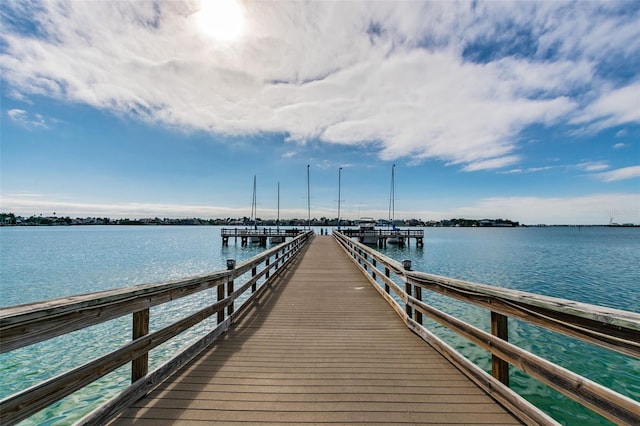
(9,219)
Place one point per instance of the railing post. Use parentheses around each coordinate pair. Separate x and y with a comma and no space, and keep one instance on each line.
(140,365)
(407,289)
(231,265)
(266,265)
(254,271)
(418,296)
(373,269)
(499,328)
(220,297)
(229,293)
(387,273)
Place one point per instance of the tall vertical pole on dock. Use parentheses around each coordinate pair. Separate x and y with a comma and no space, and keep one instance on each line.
(339,179)
(308,199)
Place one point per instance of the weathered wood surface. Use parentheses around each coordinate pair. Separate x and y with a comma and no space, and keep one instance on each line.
(614,329)
(28,324)
(320,346)
(607,327)
(31,323)
(25,324)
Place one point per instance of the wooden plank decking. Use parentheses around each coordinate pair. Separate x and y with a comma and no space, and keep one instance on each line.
(321,346)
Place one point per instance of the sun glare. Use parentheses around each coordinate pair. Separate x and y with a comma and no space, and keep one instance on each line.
(221,19)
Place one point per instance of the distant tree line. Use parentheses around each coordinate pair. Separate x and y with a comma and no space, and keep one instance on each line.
(483,222)
(10,219)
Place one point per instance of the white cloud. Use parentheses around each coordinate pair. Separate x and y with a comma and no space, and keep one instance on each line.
(539,169)
(620,174)
(593,166)
(387,74)
(602,30)
(23,205)
(492,163)
(620,145)
(16,114)
(27,119)
(529,170)
(613,108)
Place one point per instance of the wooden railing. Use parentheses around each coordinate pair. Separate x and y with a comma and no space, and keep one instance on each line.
(406,233)
(258,234)
(609,328)
(261,231)
(26,325)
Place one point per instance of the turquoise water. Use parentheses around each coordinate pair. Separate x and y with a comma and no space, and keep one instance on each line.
(40,263)
(596,265)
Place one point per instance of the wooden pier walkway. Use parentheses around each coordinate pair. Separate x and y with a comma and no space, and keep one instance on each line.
(319,346)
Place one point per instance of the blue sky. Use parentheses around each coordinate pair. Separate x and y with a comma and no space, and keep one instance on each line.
(522,110)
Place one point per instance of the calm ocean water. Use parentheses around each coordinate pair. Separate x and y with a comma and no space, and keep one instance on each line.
(597,265)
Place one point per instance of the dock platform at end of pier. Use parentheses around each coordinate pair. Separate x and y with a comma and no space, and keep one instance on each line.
(259,235)
(382,237)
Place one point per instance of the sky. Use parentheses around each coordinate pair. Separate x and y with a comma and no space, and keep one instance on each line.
(520,110)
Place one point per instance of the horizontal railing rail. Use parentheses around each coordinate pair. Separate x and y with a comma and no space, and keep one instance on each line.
(25,325)
(613,329)
(261,231)
(407,233)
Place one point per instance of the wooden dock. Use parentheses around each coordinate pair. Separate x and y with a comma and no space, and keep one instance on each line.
(259,235)
(380,237)
(302,333)
(319,346)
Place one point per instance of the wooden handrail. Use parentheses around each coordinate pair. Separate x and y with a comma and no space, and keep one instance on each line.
(613,329)
(354,232)
(610,328)
(260,230)
(28,324)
